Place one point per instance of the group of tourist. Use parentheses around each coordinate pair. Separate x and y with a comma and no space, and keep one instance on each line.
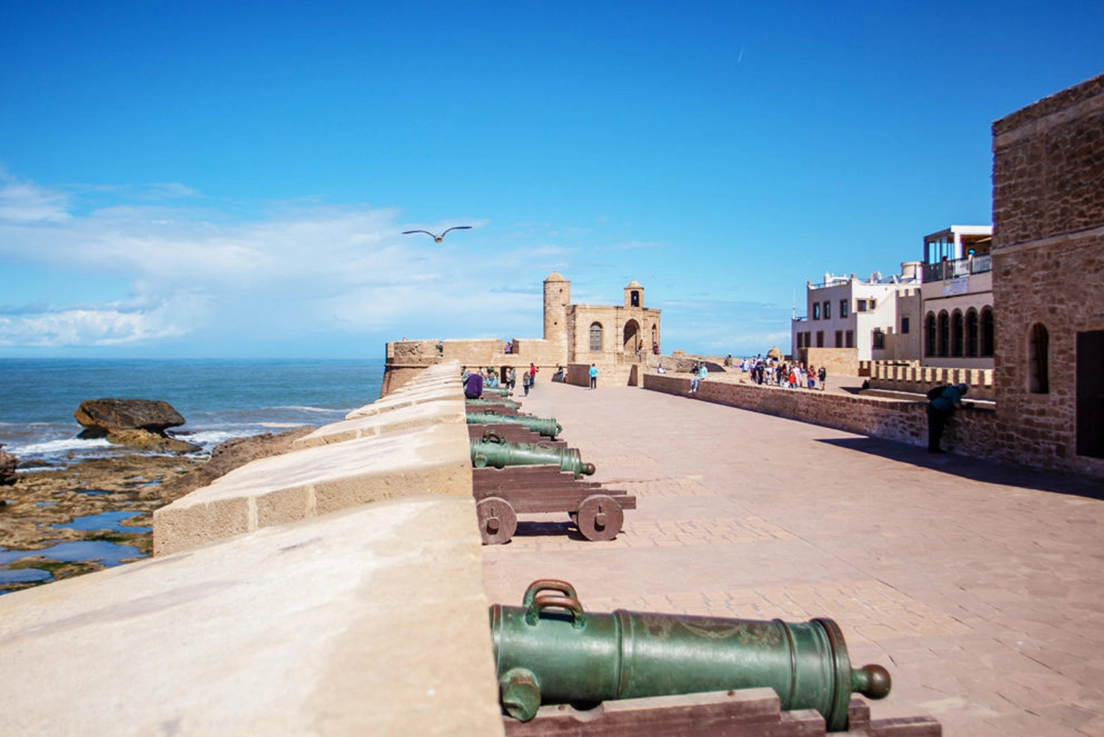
(474,381)
(790,375)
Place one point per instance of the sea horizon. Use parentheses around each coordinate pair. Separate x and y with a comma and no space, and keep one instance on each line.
(219,398)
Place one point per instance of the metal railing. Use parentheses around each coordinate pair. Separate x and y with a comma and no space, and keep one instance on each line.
(944,270)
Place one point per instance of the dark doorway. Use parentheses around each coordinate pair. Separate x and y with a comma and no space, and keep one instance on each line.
(1090,394)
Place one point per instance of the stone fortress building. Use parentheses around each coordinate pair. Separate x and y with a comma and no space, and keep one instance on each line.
(1048,281)
(616,338)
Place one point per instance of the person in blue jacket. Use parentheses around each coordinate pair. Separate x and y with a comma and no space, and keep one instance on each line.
(940,409)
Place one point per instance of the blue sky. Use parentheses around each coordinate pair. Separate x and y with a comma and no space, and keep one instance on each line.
(225,179)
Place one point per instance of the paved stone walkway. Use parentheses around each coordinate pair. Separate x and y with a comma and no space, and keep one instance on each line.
(979,586)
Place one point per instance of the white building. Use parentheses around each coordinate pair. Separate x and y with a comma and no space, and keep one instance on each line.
(957,298)
(879,317)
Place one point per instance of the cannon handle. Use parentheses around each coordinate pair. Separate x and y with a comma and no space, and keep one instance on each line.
(492,436)
(545,600)
(547,584)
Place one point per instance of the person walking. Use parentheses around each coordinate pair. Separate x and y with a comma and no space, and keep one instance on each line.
(593,376)
(822,374)
(941,407)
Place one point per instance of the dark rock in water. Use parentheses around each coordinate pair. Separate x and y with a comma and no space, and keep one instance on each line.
(8,462)
(100,417)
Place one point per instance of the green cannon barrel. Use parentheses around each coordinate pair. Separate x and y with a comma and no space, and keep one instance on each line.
(550,651)
(498,391)
(498,402)
(545,426)
(491,450)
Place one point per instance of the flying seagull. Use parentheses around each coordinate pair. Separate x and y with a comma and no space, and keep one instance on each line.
(438,238)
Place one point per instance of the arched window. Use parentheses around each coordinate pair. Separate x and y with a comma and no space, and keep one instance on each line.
(971,333)
(956,334)
(944,335)
(929,335)
(1038,359)
(634,298)
(596,336)
(987,336)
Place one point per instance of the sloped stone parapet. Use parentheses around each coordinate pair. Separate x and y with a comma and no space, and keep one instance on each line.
(435,459)
(366,621)
(449,410)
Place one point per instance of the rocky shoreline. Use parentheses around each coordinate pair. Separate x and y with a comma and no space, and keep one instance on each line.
(42,503)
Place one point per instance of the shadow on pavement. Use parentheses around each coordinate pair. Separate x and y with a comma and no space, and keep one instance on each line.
(975,469)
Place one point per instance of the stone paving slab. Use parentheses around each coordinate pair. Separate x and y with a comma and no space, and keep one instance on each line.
(980,586)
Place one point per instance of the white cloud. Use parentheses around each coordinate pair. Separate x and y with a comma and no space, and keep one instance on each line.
(23,202)
(104,326)
(301,268)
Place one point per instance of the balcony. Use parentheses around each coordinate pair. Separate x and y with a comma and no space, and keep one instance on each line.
(945,270)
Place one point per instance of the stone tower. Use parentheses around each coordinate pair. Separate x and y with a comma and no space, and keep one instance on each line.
(557,297)
(634,294)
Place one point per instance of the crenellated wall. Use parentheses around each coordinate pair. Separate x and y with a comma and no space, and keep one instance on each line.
(912,377)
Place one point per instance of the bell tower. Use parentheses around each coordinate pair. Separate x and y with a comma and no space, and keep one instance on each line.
(634,295)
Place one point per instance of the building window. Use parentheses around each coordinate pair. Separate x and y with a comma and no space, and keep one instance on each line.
(987,342)
(861,306)
(596,336)
(843,308)
(944,344)
(1038,360)
(904,326)
(827,310)
(820,339)
(839,339)
(929,335)
(634,298)
(878,340)
(971,333)
(871,304)
(816,310)
(956,334)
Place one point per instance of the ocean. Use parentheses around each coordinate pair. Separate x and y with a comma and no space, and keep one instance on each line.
(220,399)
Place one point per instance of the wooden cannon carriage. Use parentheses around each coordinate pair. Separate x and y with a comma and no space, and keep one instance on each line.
(501,494)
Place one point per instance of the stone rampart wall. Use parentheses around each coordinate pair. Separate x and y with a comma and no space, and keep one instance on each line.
(837,361)
(968,433)
(414,441)
(915,378)
(337,589)
(407,358)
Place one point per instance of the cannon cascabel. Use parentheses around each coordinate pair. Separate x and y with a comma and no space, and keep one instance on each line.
(101,417)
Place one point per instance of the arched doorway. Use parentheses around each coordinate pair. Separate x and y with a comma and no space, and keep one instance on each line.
(631,343)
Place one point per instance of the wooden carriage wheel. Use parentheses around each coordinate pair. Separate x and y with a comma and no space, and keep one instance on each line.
(497,520)
(599,517)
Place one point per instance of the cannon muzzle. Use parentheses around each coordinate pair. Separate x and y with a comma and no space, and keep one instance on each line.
(492,450)
(550,651)
(546,426)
